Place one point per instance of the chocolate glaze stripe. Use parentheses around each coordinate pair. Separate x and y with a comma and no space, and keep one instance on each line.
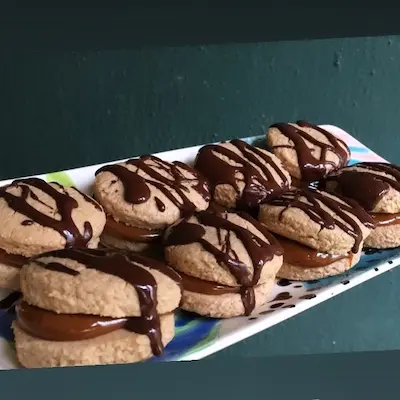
(126,266)
(65,205)
(312,168)
(365,184)
(314,210)
(136,187)
(259,250)
(251,162)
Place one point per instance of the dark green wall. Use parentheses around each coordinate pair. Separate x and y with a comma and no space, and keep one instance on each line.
(62,110)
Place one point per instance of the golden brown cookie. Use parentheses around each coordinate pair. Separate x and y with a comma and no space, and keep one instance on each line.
(320,220)
(37,217)
(88,306)
(144,196)
(376,187)
(117,347)
(227,250)
(307,151)
(242,176)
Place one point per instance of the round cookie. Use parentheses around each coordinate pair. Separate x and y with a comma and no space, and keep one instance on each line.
(144,196)
(323,221)
(117,347)
(90,306)
(150,193)
(375,186)
(229,250)
(386,234)
(307,151)
(301,263)
(61,281)
(242,176)
(37,217)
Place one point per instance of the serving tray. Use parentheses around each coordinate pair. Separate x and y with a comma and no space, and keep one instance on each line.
(197,337)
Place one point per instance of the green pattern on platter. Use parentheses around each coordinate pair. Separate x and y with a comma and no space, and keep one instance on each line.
(60,177)
(181,329)
(204,343)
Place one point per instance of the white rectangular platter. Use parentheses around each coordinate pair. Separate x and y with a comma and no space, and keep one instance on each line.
(198,337)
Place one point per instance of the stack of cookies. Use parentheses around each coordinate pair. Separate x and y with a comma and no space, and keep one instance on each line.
(144,196)
(92,306)
(228,262)
(376,187)
(321,234)
(37,217)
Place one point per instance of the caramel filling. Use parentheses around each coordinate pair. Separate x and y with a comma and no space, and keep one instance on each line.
(13,260)
(131,233)
(197,285)
(48,325)
(386,219)
(302,256)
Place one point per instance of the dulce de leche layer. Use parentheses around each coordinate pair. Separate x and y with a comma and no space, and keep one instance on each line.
(381,219)
(197,285)
(302,256)
(49,325)
(13,260)
(132,233)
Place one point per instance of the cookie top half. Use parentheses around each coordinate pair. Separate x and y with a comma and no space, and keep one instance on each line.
(148,192)
(228,248)
(307,151)
(37,216)
(100,282)
(320,220)
(241,175)
(375,186)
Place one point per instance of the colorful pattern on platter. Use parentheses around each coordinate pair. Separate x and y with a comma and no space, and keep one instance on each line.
(197,337)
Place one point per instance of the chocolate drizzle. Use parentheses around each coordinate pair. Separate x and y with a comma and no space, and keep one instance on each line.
(259,250)
(65,205)
(365,184)
(312,168)
(174,186)
(341,210)
(127,267)
(255,165)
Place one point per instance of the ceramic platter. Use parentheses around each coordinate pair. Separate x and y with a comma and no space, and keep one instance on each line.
(198,337)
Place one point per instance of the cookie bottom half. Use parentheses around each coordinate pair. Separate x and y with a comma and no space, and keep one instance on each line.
(302,263)
(118,347)
(224,305)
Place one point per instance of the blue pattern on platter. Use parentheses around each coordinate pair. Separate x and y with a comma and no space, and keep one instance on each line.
(194,333)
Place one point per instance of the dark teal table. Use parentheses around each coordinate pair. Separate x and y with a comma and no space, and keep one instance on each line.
(66,109)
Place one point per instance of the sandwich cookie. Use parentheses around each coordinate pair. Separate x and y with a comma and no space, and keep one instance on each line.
(37,217)
(228,262)
(307,151)
(94,306)
(376,187)
(143,196)
(242,176)
(321,234)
